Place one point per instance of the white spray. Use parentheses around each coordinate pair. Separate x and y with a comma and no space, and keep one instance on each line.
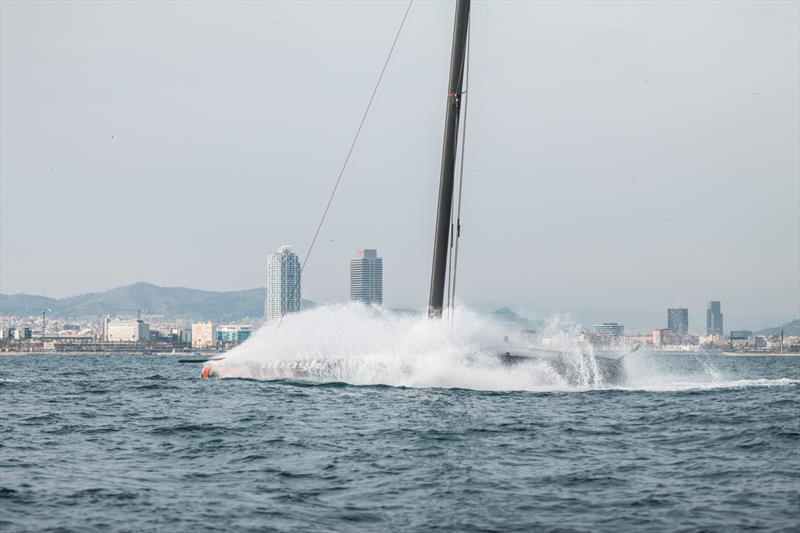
(362,345)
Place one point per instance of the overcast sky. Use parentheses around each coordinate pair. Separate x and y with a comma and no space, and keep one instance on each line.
(621,158)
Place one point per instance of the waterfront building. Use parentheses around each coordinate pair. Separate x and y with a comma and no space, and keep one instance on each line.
(678,320)
(125,330)
(20,333)
(759,342)
(204,335)
(609,328)
(714,319)
(742,339)
(233,333)
(169,334)
(740,334)
(670,340)
(283,283)
(658,337)
(366,277)
(713,341)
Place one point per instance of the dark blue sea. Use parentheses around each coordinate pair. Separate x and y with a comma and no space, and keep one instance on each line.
(140,443)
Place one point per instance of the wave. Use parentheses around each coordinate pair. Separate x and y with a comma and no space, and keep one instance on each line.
(677,386)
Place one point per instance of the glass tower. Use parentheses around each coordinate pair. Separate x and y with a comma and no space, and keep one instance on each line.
(283,283)
(714,319)
(366,277)
(678,320)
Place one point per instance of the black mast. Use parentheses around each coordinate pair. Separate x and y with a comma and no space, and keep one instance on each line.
(447,177)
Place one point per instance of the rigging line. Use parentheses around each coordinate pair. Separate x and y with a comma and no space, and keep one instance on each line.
(353,144)
(450,259)
(452,298)
(453,229)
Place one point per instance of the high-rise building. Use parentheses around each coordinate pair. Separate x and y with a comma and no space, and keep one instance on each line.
(678,320)
(366,277)
(714,319)
(283,283)
(204,335)
(609,328)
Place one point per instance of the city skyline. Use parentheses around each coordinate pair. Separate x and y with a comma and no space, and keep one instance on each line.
(644,321)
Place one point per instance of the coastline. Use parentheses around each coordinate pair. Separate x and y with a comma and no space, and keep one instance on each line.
(113,353)
(201,353)
(761,354)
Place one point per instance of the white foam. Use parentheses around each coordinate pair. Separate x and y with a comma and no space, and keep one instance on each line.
(361,345)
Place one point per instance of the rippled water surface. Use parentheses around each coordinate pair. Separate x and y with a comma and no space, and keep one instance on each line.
(140,443)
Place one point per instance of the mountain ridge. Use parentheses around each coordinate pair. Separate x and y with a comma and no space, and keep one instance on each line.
(790,329)
(150,299)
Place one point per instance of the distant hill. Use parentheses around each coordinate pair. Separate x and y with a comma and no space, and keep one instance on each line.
(504,314)
(790,329)
(172,302)
(25,304)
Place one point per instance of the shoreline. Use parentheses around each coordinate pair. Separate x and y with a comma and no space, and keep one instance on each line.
(113,353)
(760,354)
(210,354)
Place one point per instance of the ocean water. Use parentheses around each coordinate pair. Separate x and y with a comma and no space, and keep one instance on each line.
(688,442)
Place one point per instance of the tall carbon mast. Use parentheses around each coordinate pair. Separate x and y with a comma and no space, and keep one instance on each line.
(447,177)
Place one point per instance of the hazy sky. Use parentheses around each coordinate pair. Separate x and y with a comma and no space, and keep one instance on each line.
(621,157)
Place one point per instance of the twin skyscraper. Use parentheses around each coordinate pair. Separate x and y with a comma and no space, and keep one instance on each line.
(366,277)
(678,319)
(283,281)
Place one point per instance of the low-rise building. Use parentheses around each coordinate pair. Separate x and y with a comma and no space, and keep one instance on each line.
(713,341)
(204,335)
(759,342)
(20,333)
(233,333)
(668,339)
(125,330)
(740,334)
(609,328)
(169,334)
(791,344)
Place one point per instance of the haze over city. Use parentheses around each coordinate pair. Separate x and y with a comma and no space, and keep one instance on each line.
(621,158)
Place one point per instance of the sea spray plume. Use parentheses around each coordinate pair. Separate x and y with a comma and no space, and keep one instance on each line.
(351,343)
(364,345)
(578,361)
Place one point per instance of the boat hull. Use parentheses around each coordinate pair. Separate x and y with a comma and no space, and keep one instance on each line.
(577,370)
(600,370)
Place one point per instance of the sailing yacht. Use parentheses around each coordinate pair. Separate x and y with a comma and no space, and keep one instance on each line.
(446,233)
